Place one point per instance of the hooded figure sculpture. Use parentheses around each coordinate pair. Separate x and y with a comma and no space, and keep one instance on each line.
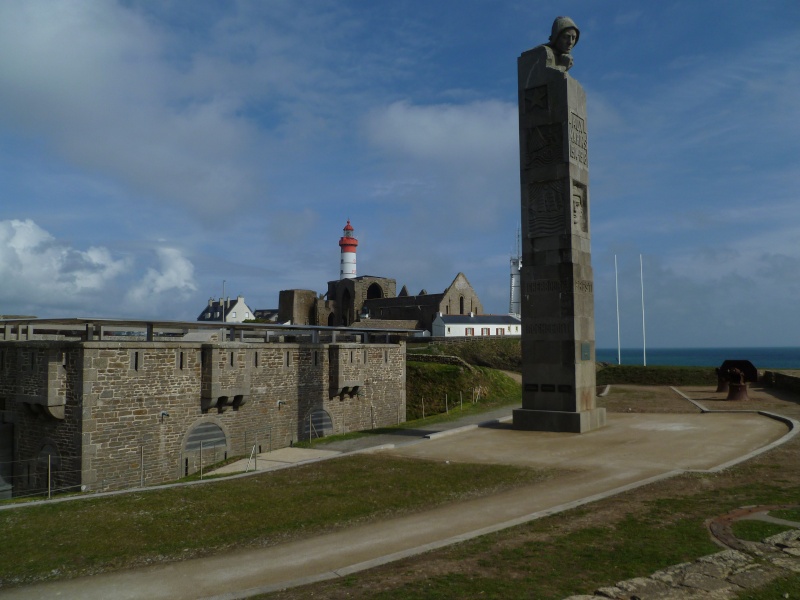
(563,37)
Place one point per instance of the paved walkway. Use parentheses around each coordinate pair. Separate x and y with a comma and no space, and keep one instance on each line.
(633,450)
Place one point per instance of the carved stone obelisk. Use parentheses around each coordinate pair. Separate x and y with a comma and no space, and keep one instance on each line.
(558,345)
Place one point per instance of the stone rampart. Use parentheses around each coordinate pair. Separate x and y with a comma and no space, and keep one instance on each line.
(140,412)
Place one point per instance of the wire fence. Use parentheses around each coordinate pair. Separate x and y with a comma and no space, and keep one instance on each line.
(49,474)
(423,407)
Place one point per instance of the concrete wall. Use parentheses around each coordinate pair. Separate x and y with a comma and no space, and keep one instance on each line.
(130,407)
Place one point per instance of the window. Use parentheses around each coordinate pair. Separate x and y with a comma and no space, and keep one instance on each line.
(469,331)
(135,360)
(255,358)
(501,331)
(179,360)
(287,358)
(485,331)
(448,330)
(385,356)
(316,358)
(233,314)
(364,357)
(247,315)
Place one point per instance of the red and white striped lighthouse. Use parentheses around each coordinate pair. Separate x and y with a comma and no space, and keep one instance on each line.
(348,245)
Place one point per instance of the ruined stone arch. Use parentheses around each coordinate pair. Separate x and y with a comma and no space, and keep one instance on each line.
(374,291)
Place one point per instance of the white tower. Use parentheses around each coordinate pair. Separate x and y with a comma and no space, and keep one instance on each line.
(514,295)
(348,245)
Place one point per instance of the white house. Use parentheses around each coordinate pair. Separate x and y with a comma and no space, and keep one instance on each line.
(226,310)
(476,325)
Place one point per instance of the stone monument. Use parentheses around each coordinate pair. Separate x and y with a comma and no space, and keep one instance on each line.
(558,345)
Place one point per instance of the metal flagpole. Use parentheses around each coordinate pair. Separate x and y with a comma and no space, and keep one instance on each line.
(616,287)
(644,337)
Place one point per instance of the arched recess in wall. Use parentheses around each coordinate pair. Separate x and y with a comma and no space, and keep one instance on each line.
(331,320)
(207,433)
(317,425)
(347,308)
(374,291)
(461,305)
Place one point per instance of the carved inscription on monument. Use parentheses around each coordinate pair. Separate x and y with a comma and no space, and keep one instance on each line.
(544,146)
(578,140)
(544,286)
(545,208)
(545,328)
(580,216)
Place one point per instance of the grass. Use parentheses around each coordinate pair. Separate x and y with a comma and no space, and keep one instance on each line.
(637,375)
(437,385)
(495,353)
(755,531)
(788,514)
(574,552)
(785,587)
(101,534)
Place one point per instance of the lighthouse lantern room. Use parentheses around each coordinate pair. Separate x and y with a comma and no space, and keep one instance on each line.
(348,245)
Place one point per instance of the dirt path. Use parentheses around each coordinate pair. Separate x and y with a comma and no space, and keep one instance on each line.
(633,450)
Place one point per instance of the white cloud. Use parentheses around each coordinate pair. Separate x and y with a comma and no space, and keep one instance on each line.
(174,280)
(38,270)
(480,133)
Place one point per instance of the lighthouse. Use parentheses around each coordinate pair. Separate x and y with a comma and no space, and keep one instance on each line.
(348,245)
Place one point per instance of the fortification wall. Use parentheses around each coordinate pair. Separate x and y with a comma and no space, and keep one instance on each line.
(132,409)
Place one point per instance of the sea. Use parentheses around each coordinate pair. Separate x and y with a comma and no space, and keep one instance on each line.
(762,358)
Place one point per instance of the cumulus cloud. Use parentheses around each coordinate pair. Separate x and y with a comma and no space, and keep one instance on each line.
(174,276)
(37,269)
(45,276)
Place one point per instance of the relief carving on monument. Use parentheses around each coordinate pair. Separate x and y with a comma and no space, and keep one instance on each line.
(545,208)
(544,146)
(536,99)
(580,216)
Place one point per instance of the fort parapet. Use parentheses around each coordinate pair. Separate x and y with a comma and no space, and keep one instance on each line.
(117,404)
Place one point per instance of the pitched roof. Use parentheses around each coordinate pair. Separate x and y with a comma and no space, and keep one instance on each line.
(479,319)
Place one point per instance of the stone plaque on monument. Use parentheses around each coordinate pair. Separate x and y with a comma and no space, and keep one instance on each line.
(558,345)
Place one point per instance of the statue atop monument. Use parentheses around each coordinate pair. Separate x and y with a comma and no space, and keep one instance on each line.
(556,54)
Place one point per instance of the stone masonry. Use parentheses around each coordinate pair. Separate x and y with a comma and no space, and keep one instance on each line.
(117,414)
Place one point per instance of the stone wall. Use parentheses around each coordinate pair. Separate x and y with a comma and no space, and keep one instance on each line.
(782,381)
(132,407)
(440,359)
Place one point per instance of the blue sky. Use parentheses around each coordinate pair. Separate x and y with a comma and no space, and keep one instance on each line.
(151,150)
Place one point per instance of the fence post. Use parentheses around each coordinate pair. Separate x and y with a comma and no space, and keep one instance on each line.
(201,459)
(255,452)
(423,407)
(446,408)
(141,466)
(461,400)
(48,476)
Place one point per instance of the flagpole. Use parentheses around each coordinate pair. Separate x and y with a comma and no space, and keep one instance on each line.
(644,337)
(616,288)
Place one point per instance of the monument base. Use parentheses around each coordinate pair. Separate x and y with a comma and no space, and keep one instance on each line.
(559,421)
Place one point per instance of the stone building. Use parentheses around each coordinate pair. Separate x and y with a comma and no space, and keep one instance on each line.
(113,404)
(369,301)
